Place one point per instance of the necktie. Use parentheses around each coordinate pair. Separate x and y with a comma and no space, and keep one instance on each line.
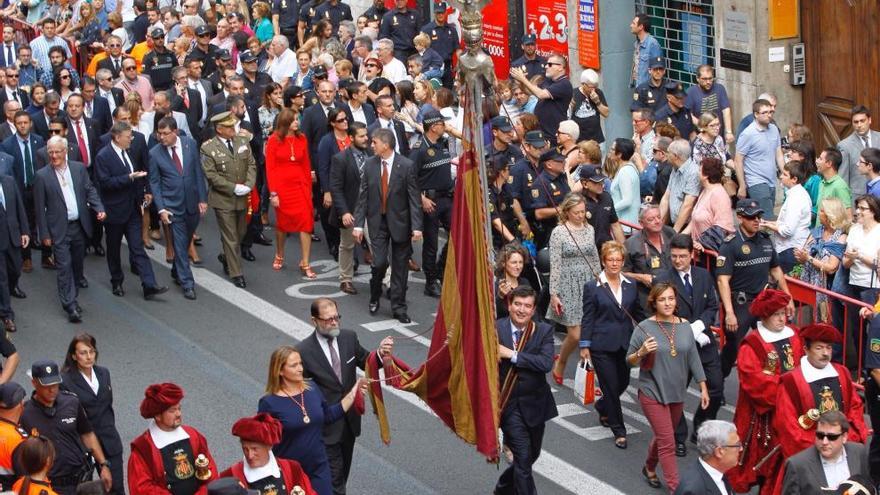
(865,141)
(28,164)
(517,334)
(2,199)
(116,66)
(89,109)
(10,59)
(126,162)
(229,145)
(80,137)
(384,185)
(334,359)
(176,160)
(687,285)
(186,98)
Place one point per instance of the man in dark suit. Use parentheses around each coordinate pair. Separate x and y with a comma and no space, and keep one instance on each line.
(14,234)
(180,194)
(12,91)
(389,202)
(331,356)
(9,48)
(124,191)
(96,107)
(114,96)
(346,169)
(315,126)
(525,350)
(6,164)
(697,302)
(831,460)
(113,61)
(385,120)
(63,193)
(719,447)
(186,100)
(358,107)
(51,109)
(10,108)
(22,147)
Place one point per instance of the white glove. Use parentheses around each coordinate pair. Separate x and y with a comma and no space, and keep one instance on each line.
(697,327)
(241,190)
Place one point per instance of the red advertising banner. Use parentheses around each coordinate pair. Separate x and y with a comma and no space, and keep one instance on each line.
(496,36)
(588,33)
(548,19)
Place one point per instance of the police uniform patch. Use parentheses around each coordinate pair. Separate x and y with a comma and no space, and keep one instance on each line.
(589,215)
(430,152)
(746,249)
(719,262)
(875,346)
(510,179)
(655,262)
(635,97)
(535,193)
(491,208)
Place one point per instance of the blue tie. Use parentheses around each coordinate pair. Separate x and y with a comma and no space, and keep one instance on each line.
(517,334)
(687,285)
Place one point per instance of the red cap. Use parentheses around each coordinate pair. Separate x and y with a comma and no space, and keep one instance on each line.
(768,302)
(159,397)
(821,332)
(262,428)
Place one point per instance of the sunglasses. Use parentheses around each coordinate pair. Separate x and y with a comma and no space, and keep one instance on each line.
(55,131)
(339,121)
(553,63)
(128,68)
(65,77)
(204,35)
(830,436)
(371,65)
(113,46)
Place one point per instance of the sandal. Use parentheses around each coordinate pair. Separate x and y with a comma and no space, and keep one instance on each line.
(652,479)
(278,263)
(307,272)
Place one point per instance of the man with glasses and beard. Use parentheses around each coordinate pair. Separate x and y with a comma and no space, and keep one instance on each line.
(330,357)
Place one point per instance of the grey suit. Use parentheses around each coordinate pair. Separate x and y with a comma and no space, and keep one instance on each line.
(850,148)
(804,473)
(68,237)
(390,229)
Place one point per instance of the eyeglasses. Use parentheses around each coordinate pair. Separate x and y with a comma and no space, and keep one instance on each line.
(64,77)
(339,121)
(55,131)
(554,63)
(821,435)
(732,446)
(105,79)
(115,45)
(131,67)
(204,35)
(330,318)
(13,76)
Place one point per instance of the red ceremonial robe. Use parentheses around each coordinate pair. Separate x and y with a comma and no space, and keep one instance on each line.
(291,472)
(146,472)
(755,408)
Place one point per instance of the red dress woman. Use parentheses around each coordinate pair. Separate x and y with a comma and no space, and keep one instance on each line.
(289,175)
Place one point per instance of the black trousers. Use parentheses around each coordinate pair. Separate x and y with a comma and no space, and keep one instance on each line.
(382,245)
(872,399)
(715,383)
(441,217)
(524,442)
(117,468)
(744,321)
(10,270)
(331,232)
(29,211)
(613,374)
(339,455)
(131,230)
(69,253)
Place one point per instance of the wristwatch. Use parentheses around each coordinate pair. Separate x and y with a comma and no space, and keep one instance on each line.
(105,464)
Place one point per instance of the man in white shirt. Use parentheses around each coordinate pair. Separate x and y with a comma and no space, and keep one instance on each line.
(282,61)
(719,447)
(392,68)
(792,227)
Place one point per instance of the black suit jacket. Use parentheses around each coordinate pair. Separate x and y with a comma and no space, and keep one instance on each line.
(23,98)
(101,115)
(531,395)
(41,124)
(193,113)
(118,97)
(804,474)
(369,113)
(345,183)
(404,202)
(91,138)
(138,152)
(703,305)
(6,130)
(16,219)
(107,63)
(98,407)
(51,211)
(121,195)
(604,324)
(695,480)
(399,133)
(316,366)
(3,61)
(314,126)
(10,146)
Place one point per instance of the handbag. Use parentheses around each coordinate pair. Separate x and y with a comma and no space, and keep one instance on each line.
(713,237)
(585,383)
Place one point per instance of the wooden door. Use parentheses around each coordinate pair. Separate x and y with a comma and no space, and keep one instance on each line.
(843,65)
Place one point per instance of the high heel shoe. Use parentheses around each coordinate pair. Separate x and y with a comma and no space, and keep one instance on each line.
(278,263)
(307,272)
(556,378)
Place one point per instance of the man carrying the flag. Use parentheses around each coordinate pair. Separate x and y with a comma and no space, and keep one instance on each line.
(525,349)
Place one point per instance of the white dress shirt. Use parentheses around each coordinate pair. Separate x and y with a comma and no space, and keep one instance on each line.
(357,114)
(124,159)
(66,182)
(836,471)
(110,100)
(92,381)
(618,293)
(325,347)
(389,124)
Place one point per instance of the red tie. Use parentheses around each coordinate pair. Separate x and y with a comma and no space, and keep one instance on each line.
(80,137)
(176,160)
(186,98)
(384,185)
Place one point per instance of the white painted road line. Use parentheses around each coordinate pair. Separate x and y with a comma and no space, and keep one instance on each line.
(548,465)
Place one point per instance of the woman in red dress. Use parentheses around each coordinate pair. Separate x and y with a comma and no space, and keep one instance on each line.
(289,174)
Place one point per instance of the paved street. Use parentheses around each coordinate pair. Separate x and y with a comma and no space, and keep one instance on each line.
(217,348)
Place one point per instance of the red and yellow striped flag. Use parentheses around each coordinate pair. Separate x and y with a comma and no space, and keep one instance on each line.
(459,379)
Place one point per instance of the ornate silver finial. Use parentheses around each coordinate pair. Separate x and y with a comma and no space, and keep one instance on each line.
(474,62)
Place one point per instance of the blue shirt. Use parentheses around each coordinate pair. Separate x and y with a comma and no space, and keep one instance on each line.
(874,188)
(758,147)
(648,48)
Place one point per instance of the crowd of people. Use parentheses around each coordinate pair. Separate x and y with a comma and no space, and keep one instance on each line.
(148,114)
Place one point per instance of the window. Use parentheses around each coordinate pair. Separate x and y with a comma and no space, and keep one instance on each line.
(686,32)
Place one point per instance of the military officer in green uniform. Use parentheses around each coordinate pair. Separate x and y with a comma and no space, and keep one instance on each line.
(231,171)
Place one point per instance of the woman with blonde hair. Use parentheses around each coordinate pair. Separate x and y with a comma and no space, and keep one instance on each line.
(303,411)
(823,251)
(573,260)
(262,25)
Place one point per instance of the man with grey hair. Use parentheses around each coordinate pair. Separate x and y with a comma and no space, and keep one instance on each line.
(113,61)
(684,186)
(361,49)
(10,108)
(647,251)
(346,32)
(392,68)
(588,106)
(719,447)
(282,61)
(63,193)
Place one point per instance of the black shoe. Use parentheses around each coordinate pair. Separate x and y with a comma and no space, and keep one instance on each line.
(9,325)
(17,293)
(149,292)
(247,254)
(681,450)
(693,438)
(117,290)
(83,284)
(239,282)
(189,294)
(263,240)
(74,316)
(432,288)
(222,259)
(315,238)
(374,307)
(98,250)
(403,318)
(652,480)
(197,240)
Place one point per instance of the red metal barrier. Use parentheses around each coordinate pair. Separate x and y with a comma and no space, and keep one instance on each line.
(25,32)
(804,295)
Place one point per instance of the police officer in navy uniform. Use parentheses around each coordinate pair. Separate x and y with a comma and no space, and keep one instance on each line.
(401,25)
(159,62)
(376,11)
(58,416)
(433,168)
(334,11)
(533,63)
(307,18)
(524,173)
(675,112)
(310,97)
(547,193)
(652,93)
(501,204)
(744,264)
(288,19)
(444,39)
(872,387)
(502,141)
(222,61)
